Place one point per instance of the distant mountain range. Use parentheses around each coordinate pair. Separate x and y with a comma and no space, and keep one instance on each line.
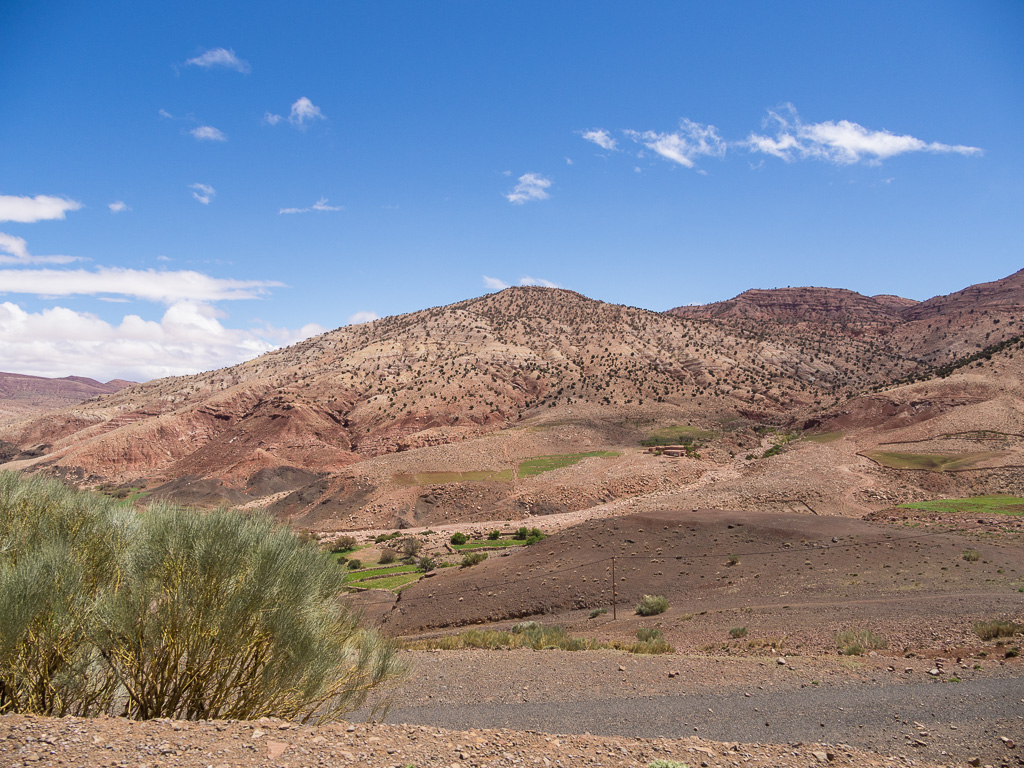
(447,375)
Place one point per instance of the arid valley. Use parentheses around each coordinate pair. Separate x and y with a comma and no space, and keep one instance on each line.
(825,488)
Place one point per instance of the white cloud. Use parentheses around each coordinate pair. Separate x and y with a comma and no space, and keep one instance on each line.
(118,206)
(165,114)
(691,141)
(14,250)
(494,284)
(527,280)
(189,338)
(601,137)
(220,57)
(363,316)
(14,246)
(497,284)
(304,111)
(843,142)
(149,284)
(531,186)
(204,193)
(319,205)
(208,133)
(26,210)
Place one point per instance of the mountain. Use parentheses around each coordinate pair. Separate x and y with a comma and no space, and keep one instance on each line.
(23,397)
(401,419)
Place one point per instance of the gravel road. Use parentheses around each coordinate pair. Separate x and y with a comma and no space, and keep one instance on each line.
(953,721)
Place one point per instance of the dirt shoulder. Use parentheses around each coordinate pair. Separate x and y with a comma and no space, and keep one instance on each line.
(28,742)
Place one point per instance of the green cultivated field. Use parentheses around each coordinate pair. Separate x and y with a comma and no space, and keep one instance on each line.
(993,505)
(679,434)
(539,464)
(824,437)
(934,462)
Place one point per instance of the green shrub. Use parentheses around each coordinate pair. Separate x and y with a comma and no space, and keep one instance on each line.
(971,555)
(381,538)
(991,630)
(427,563)
(598,612)
(459,538)
(649,633)
(853,642)
(494,535)
(733,560)
(522,534)
(343,544)
(354,564)
(667,764)
(534,535)
(173,613)
(472,559)
(387,556)
(1012,653)
(525,626)
(410,547)
(737,632)
(651,605)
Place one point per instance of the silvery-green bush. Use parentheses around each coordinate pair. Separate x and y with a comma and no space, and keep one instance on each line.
(171,612)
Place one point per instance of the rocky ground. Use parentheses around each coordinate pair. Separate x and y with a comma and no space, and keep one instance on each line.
(29,742)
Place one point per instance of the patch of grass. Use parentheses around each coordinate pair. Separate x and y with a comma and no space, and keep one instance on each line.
(531,634)
(853,642)
(933,462)
(598,612)
(365,575)
(992,505)
(971,555)
(991,630)
(652,605)
(737,632)
(540,464)
(393,583)
(667,764)
(679,434)
(825,437)
(479,544)
(472,558)
(733,560)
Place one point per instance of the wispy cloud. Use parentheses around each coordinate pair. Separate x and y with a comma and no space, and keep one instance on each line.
(497,284)
(530,186)
(27,210)
(363,316)
(527,280)
(494,284)
(843,142)
(190,337)
(208,133)
(118,206)
(691,141)
(303,112)
(14,250)
(204,193)
(319,205)
(601,137)
(220,57)
(166,287)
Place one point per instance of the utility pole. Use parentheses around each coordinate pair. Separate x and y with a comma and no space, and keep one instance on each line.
(614,612)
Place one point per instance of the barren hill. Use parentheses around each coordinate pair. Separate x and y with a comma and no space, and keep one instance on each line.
(24,397)
(425,417)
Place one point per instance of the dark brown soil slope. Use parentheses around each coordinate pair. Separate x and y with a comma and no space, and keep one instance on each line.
(711,560)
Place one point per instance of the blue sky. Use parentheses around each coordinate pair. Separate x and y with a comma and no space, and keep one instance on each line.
(185,185)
